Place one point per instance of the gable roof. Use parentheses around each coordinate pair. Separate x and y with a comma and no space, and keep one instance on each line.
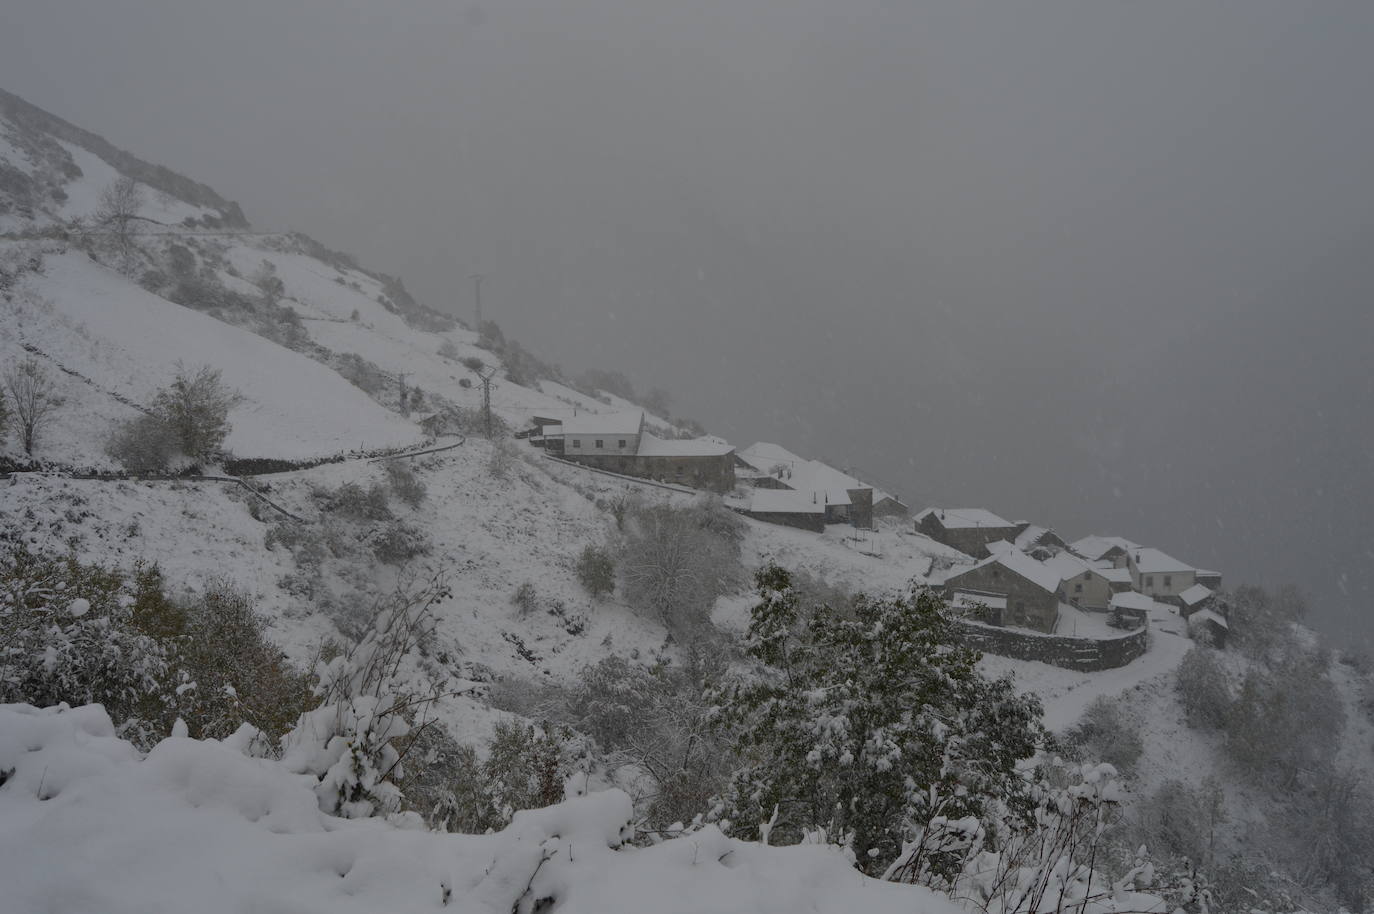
(1209,615)
(1020,564)
(1067,565)
(1094,546)
(627,422)
(1116,575)
(965,518)
(708,446)
(1147,560)
(1195,595)
(1130,599)
(763,456)
(784,501)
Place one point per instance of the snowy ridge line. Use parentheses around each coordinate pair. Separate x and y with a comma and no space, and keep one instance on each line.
(29,347)
(682,490)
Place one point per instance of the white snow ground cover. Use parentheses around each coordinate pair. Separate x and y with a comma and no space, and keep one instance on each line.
(92,320)
(89,825)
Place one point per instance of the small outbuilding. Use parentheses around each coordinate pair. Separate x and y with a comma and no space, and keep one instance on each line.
(969,530)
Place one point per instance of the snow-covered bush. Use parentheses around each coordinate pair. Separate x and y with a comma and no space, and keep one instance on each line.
(143,444)
(405,484)
(867,726)
(352,501)
(230,674)
(1181,820)
(398,543)
(526,768)
(596,570)
(1008,863)
(1105,734)
(525,598)
(67,634)
(195,406)
(1286,718)
(1204,688)
(354,741)
(676,561)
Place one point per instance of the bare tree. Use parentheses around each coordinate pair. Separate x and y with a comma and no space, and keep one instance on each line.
(31,393)
(120,202)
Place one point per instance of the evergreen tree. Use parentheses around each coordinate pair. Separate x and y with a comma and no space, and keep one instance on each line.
(867,723)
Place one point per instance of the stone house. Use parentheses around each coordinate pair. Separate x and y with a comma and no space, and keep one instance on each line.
(619,443)
(1158,574)
(969,530)
(885,505)
(771,466)
(1083,584)
(1193,599)
(790,509)
(1209,626)
(1030,590)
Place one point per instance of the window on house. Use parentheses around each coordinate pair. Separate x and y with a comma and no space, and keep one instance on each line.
(1168,581)
(577,442)
(622,442)
(1149,580)
(1087,575)
(1078,588)
(600,443)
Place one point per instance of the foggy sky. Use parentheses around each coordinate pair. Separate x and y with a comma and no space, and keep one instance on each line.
(1098,265)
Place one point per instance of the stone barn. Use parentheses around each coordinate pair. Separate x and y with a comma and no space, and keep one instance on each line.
(1030,590)
(619,443)
(969,530)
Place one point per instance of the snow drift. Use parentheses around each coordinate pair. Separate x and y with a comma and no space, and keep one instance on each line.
(87,824)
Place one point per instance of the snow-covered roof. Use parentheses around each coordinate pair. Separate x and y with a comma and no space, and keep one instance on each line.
(965,518)
(1195,594)
(1203,573)
(621,423)
(763,455)
(879,495)
(1116,575)
(1021,564)
(1152,561)
(549,430)
(1030,536)
(785,501)
(1000,547)
(709,446)
(1094,547)
(1209,615)
(1068,565)
(1130,599)
(964,600)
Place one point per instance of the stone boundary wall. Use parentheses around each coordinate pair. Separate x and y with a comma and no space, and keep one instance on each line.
(1086,655)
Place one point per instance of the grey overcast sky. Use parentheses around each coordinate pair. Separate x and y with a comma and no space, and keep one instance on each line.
(1101,265)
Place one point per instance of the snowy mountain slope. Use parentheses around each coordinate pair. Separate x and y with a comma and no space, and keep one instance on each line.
(89,319)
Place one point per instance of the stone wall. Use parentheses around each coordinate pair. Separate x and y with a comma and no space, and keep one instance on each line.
(1087,655)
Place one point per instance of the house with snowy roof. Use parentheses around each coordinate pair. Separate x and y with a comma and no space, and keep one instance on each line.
(771,466)
(1112,549)
(1086,585)
(1027,591)
(1157,574)
(886,505)
(804,510)
(619,443)
(969,530)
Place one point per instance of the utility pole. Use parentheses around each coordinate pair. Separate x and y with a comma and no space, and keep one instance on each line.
(477,288)
(485,378)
